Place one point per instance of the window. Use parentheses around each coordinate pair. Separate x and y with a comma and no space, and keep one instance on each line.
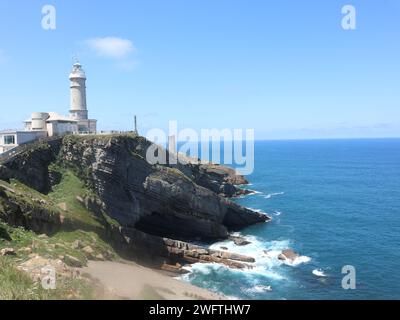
(9,139)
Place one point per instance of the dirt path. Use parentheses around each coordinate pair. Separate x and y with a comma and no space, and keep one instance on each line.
(132,281)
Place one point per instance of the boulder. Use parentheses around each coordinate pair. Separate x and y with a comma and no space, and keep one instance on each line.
(7,252)
(177,268)
(99,257)
(88,250)
(77,244)
(36,268)
(72,261)
(288,254)
(239,241)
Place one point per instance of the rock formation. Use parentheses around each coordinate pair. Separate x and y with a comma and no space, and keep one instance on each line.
(152,204)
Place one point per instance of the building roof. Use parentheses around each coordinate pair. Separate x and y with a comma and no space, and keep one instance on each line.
(54,116)
(10,131)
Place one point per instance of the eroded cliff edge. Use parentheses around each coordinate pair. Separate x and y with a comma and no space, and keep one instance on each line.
(154,208)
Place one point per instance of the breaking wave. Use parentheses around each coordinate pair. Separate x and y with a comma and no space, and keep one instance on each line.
(270,195)
(319,273)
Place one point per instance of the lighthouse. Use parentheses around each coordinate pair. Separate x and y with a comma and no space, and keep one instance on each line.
(77,77)
(78,108)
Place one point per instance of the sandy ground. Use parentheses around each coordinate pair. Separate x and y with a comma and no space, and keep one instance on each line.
(129,280)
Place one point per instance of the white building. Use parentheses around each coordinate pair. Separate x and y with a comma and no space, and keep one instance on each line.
(48,124)
(53,123)
(10,139)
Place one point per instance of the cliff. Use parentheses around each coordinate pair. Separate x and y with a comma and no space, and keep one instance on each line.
(151,204)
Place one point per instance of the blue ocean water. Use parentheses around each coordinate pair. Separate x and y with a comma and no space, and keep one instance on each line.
(337,203)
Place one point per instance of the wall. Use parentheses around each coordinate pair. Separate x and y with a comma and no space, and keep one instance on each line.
(56,128)
(26,136)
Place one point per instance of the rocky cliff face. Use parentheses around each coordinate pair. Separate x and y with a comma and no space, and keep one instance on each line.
(185,201)
(157,199)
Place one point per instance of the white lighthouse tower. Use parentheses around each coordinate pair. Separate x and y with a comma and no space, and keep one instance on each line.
(78,109)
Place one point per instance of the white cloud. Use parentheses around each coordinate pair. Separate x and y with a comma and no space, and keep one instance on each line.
(111,47)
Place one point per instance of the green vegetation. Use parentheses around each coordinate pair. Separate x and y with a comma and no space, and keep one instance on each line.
(180,174)
(65,196)
(81,236)
(72,138)
(17,285)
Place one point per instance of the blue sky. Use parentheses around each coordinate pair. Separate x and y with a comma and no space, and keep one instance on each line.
(285,68)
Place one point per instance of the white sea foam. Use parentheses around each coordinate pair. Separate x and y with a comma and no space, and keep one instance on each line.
(259,289)
(253,192)
(257,210)
(297,261)
(266,265)
(270,195)
(319,273)
(277,213)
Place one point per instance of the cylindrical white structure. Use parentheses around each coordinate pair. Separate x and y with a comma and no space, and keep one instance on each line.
(78,108)
(39,121)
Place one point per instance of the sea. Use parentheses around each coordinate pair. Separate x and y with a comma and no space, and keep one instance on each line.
(337,204)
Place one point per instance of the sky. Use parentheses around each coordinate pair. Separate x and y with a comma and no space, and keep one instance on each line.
(286,68)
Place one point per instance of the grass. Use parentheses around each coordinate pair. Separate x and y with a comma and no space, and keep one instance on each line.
(16,285)
(100,137)
(79,224)
(62,200)
(56,246)
(65,194)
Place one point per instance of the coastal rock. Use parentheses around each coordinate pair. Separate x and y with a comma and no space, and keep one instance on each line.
(239,241)
(176,268)
(16,210)
(193,253)
(219,179)
(288,254)
(150,205)
(36,175)
(166,201)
